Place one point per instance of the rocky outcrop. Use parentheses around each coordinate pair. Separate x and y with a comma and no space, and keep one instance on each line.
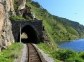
(10,6)
(2,16)
(6,36)
(21,4)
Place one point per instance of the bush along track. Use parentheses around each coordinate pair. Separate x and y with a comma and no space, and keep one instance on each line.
(11,53)
(62,55)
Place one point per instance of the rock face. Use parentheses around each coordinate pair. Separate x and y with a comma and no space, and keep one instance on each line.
(2,16)
(21,4)
(6,36)
(10,6)
(24,10)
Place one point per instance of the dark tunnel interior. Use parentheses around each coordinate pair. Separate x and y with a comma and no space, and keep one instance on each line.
(28,35)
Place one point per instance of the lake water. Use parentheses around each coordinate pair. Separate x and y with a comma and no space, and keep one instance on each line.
(76,45)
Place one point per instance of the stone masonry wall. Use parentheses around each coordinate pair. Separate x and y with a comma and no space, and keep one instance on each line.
(37,26)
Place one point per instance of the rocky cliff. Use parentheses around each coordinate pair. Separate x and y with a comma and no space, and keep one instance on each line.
(21,4)
(6,36)
(10,6)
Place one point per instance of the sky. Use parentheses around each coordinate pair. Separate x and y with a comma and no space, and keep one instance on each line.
(70,9)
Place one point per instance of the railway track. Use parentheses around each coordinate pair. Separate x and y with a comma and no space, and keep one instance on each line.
(33,55)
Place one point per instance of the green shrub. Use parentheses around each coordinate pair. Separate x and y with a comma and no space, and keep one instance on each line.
(36,4)
(81,55)
(64,54)
(11,53)
(14,18)
(77,59)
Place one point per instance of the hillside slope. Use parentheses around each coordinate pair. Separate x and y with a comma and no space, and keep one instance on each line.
(60,29)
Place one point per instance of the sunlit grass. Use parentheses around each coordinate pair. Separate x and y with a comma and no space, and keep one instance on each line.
(11,53)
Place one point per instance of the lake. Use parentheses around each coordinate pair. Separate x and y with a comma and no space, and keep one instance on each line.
(76,45)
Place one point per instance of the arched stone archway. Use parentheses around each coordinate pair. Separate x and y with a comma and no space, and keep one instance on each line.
(36,26)
(28,34)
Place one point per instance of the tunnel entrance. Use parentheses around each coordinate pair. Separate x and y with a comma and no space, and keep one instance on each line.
(28,35)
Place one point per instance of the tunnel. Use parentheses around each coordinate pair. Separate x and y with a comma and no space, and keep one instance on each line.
(28,34)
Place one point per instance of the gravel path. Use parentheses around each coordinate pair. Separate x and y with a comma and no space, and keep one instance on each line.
(24,55)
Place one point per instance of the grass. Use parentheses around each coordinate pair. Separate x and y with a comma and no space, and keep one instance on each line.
(62,55)
(11,53)
(15,18)
(48,50)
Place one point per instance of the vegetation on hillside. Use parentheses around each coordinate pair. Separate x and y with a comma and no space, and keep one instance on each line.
(11,53)
(62,54)
(60,29)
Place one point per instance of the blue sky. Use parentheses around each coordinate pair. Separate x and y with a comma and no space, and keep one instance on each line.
(70,9)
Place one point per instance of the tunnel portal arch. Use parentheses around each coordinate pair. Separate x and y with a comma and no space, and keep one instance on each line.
(31,34)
